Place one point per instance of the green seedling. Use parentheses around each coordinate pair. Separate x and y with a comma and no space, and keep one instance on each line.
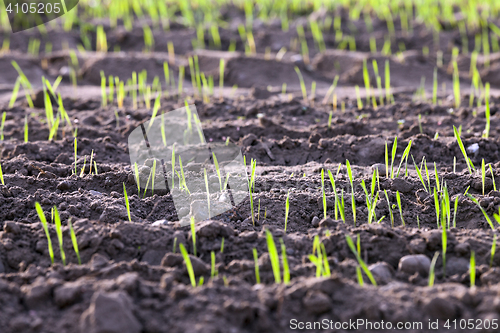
(426,172)
(83,168)
(101,40)
(444,240)
(316,260)
(432,274)
(483,174)
(251,184)
(342,206)
(174,248)
(390,209)
(193,235)
(302,84)
(386,161)
(208,192)
(462,148)
(187,262)
(419,173)
(53,130)
(393,155)
(74,241)
(91,158)
(437,178)
(472,269)
(213,271)
(434,87)
(149,40)
(222,67)
(326,265)
(474,200)
(287,208)
(181,80)
(330,90)
(1,175)
(217,170)
(379,82)
(486,132)
(183,177)
(137,177)
(437,206)
(358,97)
(456,85)
(133,88)
(41,215)
(366,79)
(147,184)
(173,165)
(387,82)
(25,128)
(75,149)
(353,202)
(25,83)
(320,259)
(258,211)
(256,261)
(455,210)
(153,176)
(57,220)
(322,192)
(104,96)
(404,158)
(4,115)
(273,254)
(492,177)
(126,202)
(371,198)
(493,249)
(398,199)
(15,92)
(284,263)
(361,262)
(332,181)
(222,245)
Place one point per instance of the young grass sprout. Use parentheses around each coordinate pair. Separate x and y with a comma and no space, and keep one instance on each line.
(287,208)
(41,215)
(256,261)
(361,262)
(189,266)
(273,254)
(126,202)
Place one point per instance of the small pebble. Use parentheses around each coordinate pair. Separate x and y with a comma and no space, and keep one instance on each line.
(315,221)
(381,169)
(160,223)
(414,263)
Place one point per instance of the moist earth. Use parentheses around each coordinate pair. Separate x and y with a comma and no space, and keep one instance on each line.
(132,277)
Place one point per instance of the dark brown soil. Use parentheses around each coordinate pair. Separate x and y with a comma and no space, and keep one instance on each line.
(130,279)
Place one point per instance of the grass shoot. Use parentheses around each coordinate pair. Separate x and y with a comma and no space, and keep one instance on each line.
(126,202)
(273,254)
(187,262)
(361,262)
(74,241)
(41,216)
